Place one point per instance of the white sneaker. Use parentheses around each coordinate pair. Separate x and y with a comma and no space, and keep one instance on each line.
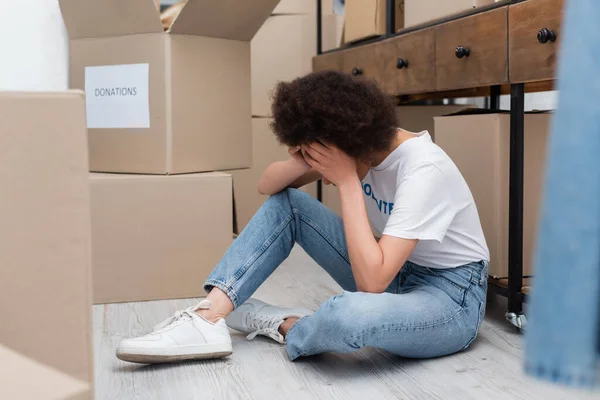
(256,317)
(184,336)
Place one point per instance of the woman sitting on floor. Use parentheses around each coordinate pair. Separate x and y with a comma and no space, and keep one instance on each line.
(419,291)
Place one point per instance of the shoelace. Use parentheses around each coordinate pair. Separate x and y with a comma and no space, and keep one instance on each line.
(185,314)
(266,326)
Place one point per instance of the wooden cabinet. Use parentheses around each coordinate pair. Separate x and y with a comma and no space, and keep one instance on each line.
(515,44)
(328,61)
(409,63)
(534,27)
(365,61)
(472,51)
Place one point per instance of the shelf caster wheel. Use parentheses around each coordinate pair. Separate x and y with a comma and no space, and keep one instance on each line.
(518,320)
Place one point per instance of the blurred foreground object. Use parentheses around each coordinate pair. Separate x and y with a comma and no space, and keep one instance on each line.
(563,340)
(45,257)
(25,379)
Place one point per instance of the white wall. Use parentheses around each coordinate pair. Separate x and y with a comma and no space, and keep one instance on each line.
(34,46)
(534,101)
(541,101)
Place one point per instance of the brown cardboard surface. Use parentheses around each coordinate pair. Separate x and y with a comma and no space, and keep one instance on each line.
(281,51)
(105,18)
(364,18)
(420,118)
(157,237)
(331,198)
(479,146)
(410,118)
(265,150)
(224,19)
(199,81)
(210,117)
(45,231)
(301,7)
(399,14)
(332,31)
(129,150)
(26,379)
(420,11)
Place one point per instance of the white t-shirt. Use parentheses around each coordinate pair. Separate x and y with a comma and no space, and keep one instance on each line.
(417,192)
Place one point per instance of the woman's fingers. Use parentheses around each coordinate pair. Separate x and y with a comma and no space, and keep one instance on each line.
(319,148)
(315,155)
(309,160)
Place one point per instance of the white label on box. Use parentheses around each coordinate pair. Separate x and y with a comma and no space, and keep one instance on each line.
(117,96)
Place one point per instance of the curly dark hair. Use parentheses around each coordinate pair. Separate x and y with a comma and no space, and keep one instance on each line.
(349,112)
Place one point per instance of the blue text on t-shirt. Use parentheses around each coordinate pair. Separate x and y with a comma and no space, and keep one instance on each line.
(385,207)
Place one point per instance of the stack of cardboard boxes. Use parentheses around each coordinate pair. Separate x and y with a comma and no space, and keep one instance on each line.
(281,51)
(164,110)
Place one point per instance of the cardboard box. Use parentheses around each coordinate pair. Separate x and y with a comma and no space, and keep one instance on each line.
(367,18)
(479,146)
(26,379)
(45,287)
(364,19)
(265,150)
(157,237)
(165,103)
(399,14)
(420,118)
(282,50)
(332,32)
(410,118)
(420,11)
(297,7)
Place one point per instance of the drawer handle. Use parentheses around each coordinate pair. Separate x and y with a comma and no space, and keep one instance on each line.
(401,63)
(461,52)
(357,71)
(545,35)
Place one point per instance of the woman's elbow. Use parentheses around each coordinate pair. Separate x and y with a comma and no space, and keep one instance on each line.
(372,287)
(261,189)
(264,187)
(264,190)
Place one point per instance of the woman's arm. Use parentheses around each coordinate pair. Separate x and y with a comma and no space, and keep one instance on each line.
(374,264)
(294,173)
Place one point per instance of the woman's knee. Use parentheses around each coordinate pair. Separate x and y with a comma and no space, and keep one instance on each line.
(289,198)
(278,200)
(344,310)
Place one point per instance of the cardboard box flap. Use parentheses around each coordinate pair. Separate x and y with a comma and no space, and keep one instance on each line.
(24,378)
(225,19)
(107,18)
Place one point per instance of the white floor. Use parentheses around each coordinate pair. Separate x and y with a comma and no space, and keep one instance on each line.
(490,369)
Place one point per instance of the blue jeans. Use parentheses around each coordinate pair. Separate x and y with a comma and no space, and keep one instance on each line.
(424,313)
(562,343)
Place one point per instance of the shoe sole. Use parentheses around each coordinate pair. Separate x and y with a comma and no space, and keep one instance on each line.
(211,352)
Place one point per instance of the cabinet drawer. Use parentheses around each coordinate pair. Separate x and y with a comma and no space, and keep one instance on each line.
(327,61)
(364,60)
(533,39)
(408,63)
(472,51)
